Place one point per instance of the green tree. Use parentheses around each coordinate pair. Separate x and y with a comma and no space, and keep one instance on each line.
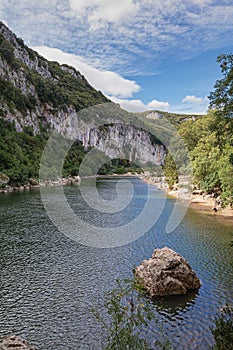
(205,157)
(225,172)
(170,171)
(222,97)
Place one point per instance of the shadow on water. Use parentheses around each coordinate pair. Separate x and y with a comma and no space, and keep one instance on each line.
(171,305)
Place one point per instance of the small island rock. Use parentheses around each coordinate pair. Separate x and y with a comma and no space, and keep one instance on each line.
(166,273)
(14,342)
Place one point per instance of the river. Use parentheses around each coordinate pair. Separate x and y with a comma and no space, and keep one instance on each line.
(49,282)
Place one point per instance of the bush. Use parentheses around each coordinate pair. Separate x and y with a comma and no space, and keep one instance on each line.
(129,313)
(223,331)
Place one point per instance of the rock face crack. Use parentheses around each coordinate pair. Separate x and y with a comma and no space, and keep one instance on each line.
(166,273)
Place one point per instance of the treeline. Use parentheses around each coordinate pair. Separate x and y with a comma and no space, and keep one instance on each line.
(209,140)
(20,156)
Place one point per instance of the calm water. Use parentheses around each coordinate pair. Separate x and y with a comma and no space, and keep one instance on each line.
(49,283)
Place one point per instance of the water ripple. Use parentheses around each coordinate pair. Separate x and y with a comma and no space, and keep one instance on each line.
(49,283)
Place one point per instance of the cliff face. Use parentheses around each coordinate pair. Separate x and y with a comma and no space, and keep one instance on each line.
(47,96)
(125,141)
(36,92)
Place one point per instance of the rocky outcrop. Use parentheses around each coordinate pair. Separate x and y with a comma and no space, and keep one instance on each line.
(109,129)
(14,342)
(166,273)
(4,179)
(126,141)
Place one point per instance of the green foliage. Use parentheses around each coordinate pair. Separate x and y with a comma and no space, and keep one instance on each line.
(129,313)
(64,89)
(210,142)
(223,331)
(170,171)
(222,98)
(7,52)
(20,153)
(73,159)
(119,166)
(14,98)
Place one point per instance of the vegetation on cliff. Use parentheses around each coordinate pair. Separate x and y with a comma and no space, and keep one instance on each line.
(44,82)
(31,85)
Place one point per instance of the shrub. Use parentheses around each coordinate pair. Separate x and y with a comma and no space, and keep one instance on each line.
(223,331)
(129,313)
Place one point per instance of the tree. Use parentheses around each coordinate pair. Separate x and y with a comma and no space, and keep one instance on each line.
(170,171)
(225,171)
(222,98)
(205,157)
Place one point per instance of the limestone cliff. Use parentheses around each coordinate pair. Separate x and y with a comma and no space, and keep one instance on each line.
(46,96)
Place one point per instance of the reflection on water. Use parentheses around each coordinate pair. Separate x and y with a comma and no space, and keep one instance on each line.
(171,305)
(49,283)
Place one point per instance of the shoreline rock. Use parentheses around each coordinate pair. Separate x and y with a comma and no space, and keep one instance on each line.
(15,342)
(199,200)
(166,273)
(33,184)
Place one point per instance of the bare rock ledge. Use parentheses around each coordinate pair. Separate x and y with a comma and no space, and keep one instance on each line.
(14,342)
(166,273)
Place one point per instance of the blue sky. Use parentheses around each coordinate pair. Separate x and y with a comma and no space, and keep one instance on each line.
(143,54)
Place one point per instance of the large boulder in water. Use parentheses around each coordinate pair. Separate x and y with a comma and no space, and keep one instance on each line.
(14,342)
(166,273)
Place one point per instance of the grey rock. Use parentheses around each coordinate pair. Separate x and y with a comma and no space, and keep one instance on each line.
(166,273)
(14,342)
(4,179)
(33,182)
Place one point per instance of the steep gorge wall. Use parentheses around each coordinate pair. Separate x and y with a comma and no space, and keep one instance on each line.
(125,141)
(118,139)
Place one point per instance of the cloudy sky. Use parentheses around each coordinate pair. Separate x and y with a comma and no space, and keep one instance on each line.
(143,54)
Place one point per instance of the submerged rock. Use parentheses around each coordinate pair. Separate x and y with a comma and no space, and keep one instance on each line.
(14,342)
(166,273)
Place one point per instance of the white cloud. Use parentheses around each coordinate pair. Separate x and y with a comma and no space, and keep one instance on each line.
(155,104)
(119,89)
(98,12)
(130,105)
(194,99)
(139,106)
(186,107)
(110,83)
(131,36)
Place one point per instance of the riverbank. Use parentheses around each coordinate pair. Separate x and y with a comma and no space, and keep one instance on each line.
(33,184)
(199,201)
